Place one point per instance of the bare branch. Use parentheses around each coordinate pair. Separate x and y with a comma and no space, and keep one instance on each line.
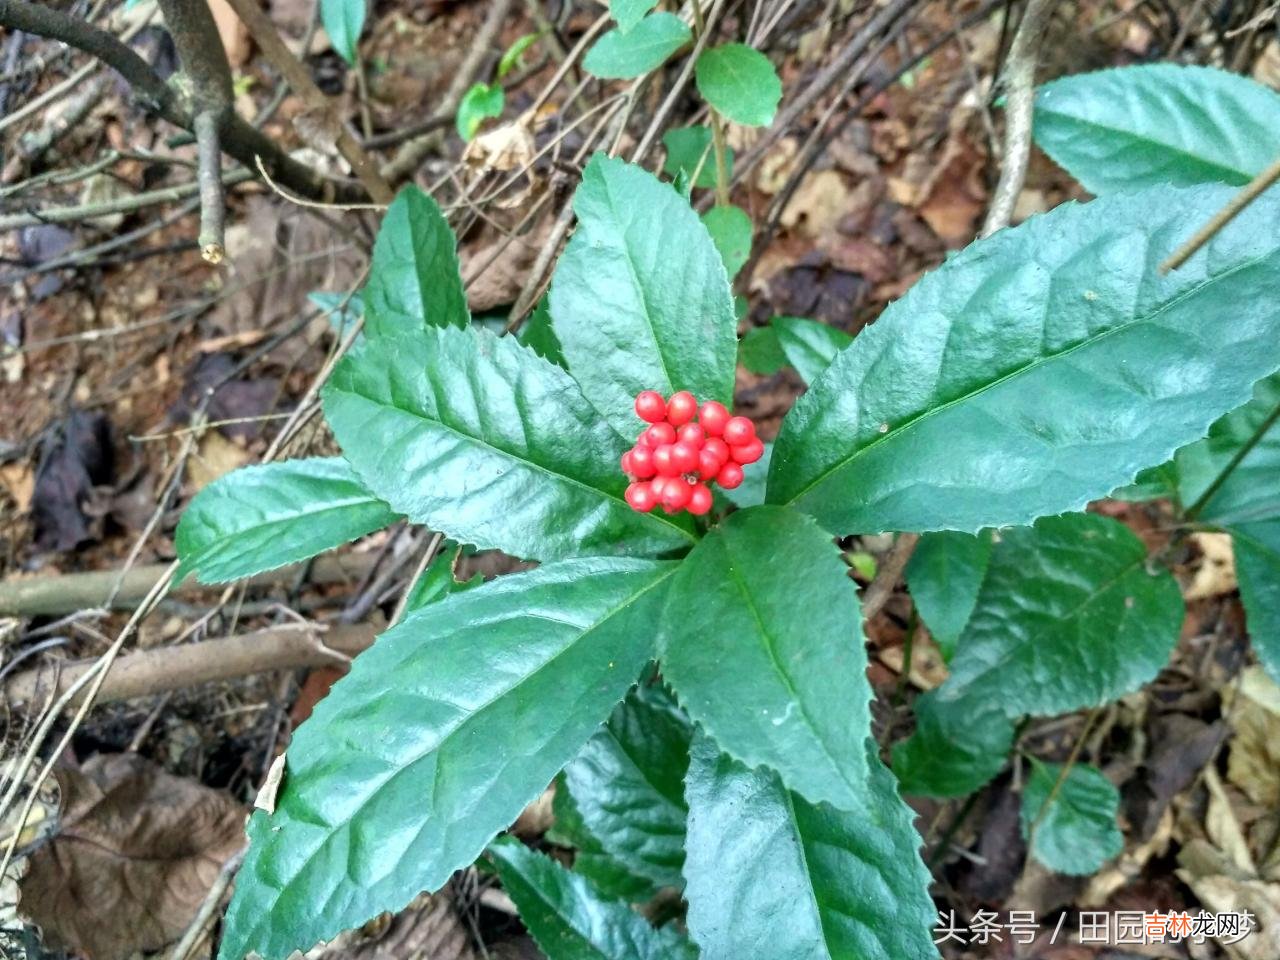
(213,199)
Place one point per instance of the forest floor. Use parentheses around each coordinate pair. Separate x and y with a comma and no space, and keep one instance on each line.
(133,373)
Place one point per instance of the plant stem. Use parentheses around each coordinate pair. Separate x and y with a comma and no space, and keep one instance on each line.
(1019,80)
(1062,778)
(213,201)
(957,821)
(907,649)
(1246,196)
(1201,501)
(722,162)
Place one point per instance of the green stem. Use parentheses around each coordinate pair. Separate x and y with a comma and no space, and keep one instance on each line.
(907,646)
(722,162)
(1193,511)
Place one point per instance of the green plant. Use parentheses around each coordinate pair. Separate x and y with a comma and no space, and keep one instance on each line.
(699,692)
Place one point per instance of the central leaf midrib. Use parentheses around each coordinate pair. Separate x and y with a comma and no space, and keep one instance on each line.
(452,730)
(895,432)
(478,441)
(749,604)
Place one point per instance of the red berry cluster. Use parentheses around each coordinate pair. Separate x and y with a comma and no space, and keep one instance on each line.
(675,458)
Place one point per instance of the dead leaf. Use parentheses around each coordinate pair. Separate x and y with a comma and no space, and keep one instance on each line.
(234,34)
(818,203)
(1216,574)
(1266,69)
(214,457)
(20,482)
(135,853)
(266,798)
(508,265)
(78,457)
(430,928)
(928,669)
(1253,710)
(1222,826)
(509,147)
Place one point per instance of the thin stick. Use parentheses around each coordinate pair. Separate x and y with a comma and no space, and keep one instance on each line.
(1246,196)
(213,205)
(881,588)
(1019,81)
(208,907)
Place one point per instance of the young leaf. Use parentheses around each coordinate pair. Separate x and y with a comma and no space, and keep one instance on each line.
(1067,617)
(539,336)
(480,438)
(627,13)
(481,101)
(646,46)
(1075,832)
(740,83)
(770,875)
(808,345)
(760,352)
(1156,124)
(686,149)
(1039,368)
(730,230)
(511,58)
(762,642)
(958,746)
(262,517)
(343,21)
(1251,490)
(437,581)
(640,300)
(1257,552)
(571,921)
(590,858)
(944,576)
(439,736)
(628,785)
(414,280)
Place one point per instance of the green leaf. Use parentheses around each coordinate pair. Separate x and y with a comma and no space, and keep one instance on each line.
(957,747)
(1067,617)
(480,438)
(760,352)
(414,280)
(762,642)
(262,517)
(571,921)
(730,230)
(627,13)
(646,46)
(1257,551)
(539,336)
(1158,123)
(944,576)
(740,83)
(770,875)
(443,731)
(1251,491)
(1076,833)
(1039,368)
(437,581)
(686,148)
(808,345)
(511,58)
(1154,483)
(628,785)
(343,21)
(481,101)
(590,858)
(640,300)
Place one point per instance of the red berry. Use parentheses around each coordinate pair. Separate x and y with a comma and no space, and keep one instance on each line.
(748,452)
(708,464)
(713,417)
(720,449)
(699,499)
(738,430)
(641,497)
(676,493)
(656,485)
(626,463)
(730,476)
(664,463)
(685,457)
(642,467)
(681,408)
(659,434)
(650,407)
(691,433)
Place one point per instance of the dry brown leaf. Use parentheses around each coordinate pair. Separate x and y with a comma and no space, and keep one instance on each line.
(134,855)
(214,456)
(1222,825)
(818,203)
(428,929)
(234,34)
(1253,710)
(1266,69)
(1216,574)
(20,481)
(266,798)
(928,669)
(509,147)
